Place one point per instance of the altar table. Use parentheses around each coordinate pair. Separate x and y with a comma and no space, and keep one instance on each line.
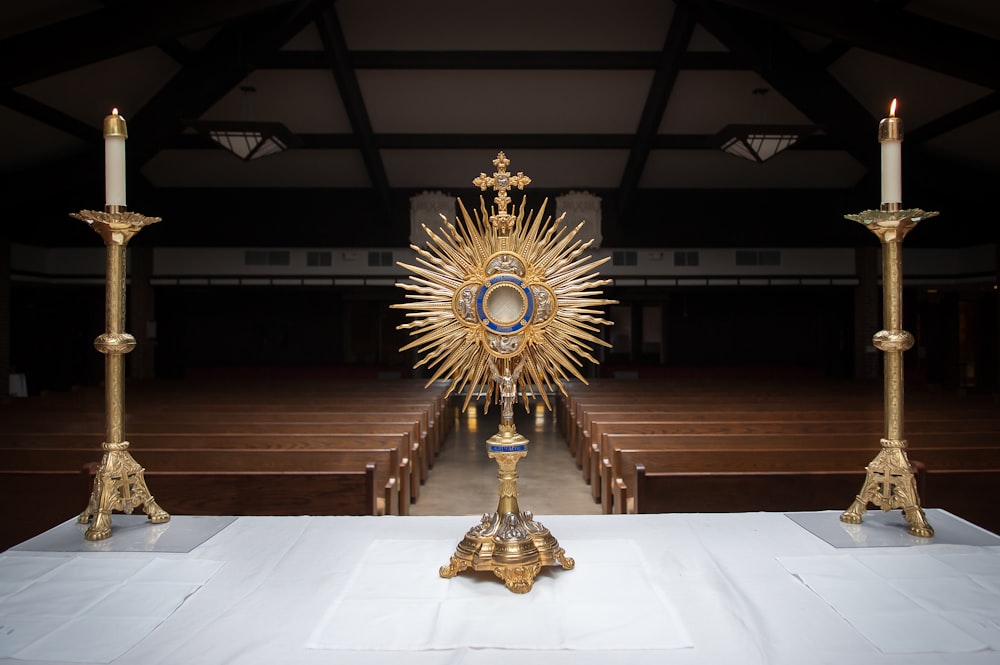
(765,588)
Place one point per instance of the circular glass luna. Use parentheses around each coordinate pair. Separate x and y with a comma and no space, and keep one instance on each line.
(504,304)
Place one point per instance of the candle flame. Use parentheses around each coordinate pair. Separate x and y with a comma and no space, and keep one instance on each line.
(114,111)
(892,108)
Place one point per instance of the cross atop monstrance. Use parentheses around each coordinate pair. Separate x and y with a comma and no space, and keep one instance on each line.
(501,181)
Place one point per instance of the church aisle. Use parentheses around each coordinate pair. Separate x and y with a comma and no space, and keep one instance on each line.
(464,480)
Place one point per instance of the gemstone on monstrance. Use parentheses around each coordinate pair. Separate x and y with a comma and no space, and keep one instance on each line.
(501,180)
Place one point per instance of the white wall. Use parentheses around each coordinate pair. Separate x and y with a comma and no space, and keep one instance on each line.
(654,267)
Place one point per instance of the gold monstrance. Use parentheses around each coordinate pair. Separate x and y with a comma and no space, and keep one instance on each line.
(505,309)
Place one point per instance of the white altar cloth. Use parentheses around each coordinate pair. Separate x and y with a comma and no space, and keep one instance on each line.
(738,588)
(385,592)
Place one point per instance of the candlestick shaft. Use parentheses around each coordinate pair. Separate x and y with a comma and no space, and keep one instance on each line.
(114,311)
(893,398)
(892,316)
(114,294)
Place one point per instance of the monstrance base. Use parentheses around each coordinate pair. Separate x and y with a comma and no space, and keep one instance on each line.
(512,545)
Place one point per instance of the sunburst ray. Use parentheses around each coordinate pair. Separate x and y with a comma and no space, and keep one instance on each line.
(454,327)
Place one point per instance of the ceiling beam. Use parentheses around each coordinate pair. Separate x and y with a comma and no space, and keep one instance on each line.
(429,141)
(669,65)
(806,83)
(217,68)
(214,71)
(831,53)
(110,32)
(179,53)
(47,115)
(882,28)
(172,47)
(964,115)
(588,60)
(791,71)
(338,60)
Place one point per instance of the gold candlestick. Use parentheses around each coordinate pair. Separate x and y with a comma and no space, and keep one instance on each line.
(506,309)
(889,481)
(119,484)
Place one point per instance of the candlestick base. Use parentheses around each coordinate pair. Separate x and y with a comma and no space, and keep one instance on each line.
(890,484)
(118,485)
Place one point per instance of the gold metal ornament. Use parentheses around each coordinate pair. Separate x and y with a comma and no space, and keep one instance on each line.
(889,482)
(508,310)
(119,483)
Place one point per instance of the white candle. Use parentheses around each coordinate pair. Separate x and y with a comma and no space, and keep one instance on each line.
(890,137)
(115,133)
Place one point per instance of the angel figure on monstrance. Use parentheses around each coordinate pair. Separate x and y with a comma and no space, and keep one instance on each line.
(507,309)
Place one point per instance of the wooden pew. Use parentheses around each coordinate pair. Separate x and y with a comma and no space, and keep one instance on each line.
(260,435)
(275,408)
(823,400)
(738,491)
(938,448)
(201,462)
(718,400)
(363,410)
(248,398)
(744,480)
(243,419)
(33,501)
(747,422)
(809,433)
(733,463)
(817,421)
(269,492)
(968,493)
(594,422)
(63,494)
(51,446)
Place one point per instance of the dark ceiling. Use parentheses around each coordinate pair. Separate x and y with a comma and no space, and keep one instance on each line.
(625,99)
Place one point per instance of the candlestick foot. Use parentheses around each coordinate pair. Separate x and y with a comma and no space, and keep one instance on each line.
(853,514)
(454,567)
(890,484)
(918,522)
(118,485)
